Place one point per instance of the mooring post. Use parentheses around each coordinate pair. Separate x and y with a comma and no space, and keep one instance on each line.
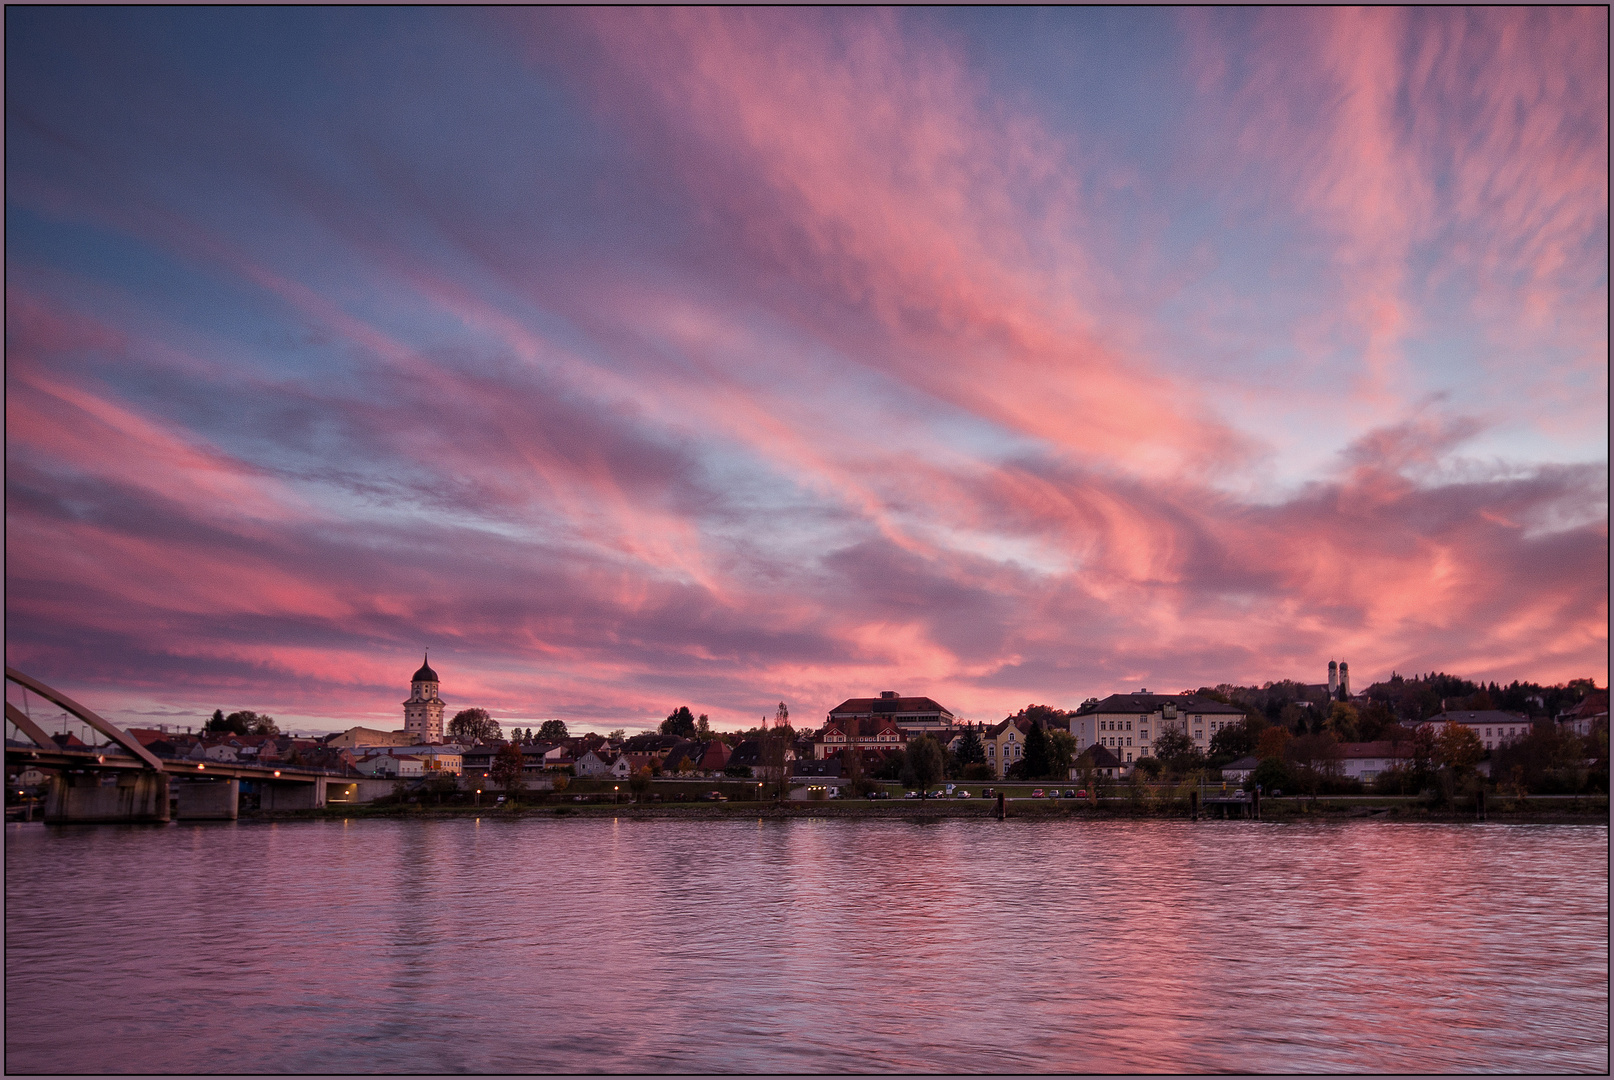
(1257,794)
(1193,805)
(1002,806)
(1481,799)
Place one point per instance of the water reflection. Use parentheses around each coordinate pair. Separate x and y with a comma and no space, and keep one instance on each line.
(852,946)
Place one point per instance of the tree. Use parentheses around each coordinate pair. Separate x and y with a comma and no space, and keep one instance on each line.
(971,750)
(1459,748)
(246,722)
(925,762)
(852,761)
(639,782)
(703,728)
(1177,751)
(551,731)
(1271,743)
(217,723)
(507,768)
(1232,742)
(781,716)
(1036,752)
(441,782)
(1343,720)
(680,722)
(474,725)
(776,759)
(1061,753)
(616,735)
(1271,775)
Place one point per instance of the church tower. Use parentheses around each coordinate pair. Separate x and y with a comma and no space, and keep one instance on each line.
(423,712)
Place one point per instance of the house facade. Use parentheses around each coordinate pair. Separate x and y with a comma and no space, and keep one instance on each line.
(1005,743)
(1127,725)
(872,734)
(1365,761)
(1494,727)
(909,713)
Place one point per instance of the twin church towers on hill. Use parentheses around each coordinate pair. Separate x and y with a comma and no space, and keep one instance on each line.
(423,712)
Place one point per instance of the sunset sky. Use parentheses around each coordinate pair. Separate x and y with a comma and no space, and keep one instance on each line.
(631,359)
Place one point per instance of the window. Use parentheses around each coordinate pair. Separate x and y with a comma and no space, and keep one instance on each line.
(1129,743)
(1129,725)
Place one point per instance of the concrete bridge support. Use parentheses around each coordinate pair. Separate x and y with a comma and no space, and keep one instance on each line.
(291,795)
(122,796)
(209,800)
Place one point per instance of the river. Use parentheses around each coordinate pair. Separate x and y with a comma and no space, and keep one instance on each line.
(617,945)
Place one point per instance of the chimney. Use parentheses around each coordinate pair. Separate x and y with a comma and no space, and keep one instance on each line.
(888,694)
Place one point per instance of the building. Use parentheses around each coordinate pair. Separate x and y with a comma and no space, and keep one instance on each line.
(1493,726)
(818,778)
(873,734)
(363,736)
(1365,760)
(1592,712)
(423,712)
(1128,724)
(594,763)
(1005,744)
(909,713)
(1236,772)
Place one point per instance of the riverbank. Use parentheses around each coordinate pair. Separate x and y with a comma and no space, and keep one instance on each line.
(1536,810)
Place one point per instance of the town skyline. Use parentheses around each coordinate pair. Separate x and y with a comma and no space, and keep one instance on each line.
(1000,356)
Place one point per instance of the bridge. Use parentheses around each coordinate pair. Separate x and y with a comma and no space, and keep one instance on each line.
(110,777)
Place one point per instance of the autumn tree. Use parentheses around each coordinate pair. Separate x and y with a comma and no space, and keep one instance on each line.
(639,782)
(1271,743)
(474,725)
(507,769)
(703,728)
(1458,748)
(1342,721)
(552,731)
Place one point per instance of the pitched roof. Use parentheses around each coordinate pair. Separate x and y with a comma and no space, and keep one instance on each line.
(1479,716)
(1147,703)
(868,706)
(1100,757)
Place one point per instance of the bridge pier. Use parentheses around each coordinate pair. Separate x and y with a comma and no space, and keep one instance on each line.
(209,800)
(289,795)
(123,796)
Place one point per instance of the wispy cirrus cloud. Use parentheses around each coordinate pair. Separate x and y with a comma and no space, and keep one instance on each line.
(753,355)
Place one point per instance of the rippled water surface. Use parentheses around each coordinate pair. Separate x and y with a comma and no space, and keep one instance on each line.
(807,946)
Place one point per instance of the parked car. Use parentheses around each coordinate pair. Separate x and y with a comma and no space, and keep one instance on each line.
(988,793)
(1053,793)
(1082,794)
(717,796)
(961,794)
(910,794)
(1037,794)
(1070,793)
(880,793)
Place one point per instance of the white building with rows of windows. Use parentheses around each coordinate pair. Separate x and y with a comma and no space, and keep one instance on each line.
(1127,725)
